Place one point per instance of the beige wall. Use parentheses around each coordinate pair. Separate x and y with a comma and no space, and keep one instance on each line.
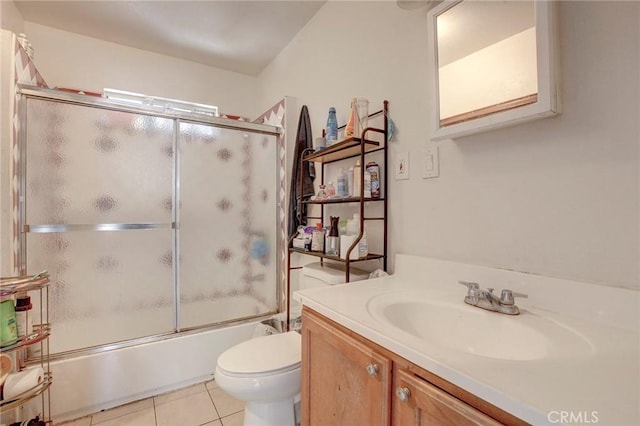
(558,197)
(10,17)
(75,61)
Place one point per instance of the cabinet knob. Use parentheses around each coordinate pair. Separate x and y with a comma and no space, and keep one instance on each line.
(403,394)
(372,370)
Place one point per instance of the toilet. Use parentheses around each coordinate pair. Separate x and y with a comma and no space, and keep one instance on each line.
(265,372)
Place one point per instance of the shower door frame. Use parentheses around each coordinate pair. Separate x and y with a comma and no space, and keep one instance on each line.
(26,91)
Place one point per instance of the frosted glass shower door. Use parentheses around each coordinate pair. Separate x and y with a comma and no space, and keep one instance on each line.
(227,224)
(98,214)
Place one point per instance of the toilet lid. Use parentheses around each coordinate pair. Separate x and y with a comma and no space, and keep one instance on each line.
(263,354)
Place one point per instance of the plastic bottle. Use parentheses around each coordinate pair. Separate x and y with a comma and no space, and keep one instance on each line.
(330,190)
(374,171)
(353,225)
(363,247)
(356,178)
(350,128)
(317,238)
(342,190)
(333,239)
(350,192)
(23,316)
(8,326)
(332,127)
(322,194)
(367,184)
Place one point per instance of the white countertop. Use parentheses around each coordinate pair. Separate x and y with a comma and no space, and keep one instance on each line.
(599,385)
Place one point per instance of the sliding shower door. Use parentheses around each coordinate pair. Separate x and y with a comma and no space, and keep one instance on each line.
(98,216)
(148,224)
(228,222)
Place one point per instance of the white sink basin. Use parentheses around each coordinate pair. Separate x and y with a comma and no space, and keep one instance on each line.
(472,330)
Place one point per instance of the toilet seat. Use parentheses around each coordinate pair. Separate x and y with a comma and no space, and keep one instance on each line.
(266,355)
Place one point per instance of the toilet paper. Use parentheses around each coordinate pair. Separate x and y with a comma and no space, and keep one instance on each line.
(22,381)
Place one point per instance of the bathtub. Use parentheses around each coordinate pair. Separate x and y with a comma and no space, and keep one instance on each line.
(90,383)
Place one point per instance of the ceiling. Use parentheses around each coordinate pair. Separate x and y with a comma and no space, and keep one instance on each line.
(240,36)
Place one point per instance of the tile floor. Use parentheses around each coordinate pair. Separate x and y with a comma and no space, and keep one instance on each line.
(201,404)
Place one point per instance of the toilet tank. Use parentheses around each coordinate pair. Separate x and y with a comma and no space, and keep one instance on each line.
(327,274)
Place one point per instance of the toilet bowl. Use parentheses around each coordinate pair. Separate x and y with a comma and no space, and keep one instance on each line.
(265,373)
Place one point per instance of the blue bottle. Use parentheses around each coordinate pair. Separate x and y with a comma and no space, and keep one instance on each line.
(332,127)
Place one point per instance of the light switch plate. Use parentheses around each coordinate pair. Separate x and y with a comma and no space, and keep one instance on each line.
(402,165)
(430,163)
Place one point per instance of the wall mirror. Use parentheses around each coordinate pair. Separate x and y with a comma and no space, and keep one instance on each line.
(494,64)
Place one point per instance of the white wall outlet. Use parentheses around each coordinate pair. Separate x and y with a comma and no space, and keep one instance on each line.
(402,165)
(431,164)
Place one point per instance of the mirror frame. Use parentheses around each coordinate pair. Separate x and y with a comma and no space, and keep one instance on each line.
(548,101)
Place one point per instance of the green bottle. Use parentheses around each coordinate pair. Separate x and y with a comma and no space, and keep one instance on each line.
(8,324)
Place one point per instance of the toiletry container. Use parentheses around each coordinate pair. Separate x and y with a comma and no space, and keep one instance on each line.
(367,184)
(24,320)
(322,193)
(357,170)
(342,189)
(8,323)
(346,240)
(317,238)
(332,246)
(330,190)
(352,122)
(332,127)
(374,173)
(350,183)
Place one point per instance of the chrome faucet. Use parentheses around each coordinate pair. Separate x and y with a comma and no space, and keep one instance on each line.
(485,299)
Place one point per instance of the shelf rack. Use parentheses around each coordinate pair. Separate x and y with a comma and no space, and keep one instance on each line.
(9,287)
(349,148)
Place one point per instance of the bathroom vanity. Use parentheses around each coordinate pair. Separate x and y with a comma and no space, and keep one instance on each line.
(348,380)
(406,349)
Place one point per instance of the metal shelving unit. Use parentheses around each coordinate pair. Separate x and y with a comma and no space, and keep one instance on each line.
(9,287)
(345,149)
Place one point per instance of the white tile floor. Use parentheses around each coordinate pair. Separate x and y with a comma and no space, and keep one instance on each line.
(201,404)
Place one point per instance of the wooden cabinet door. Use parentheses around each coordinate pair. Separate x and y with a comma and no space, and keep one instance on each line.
(344,382)
(418,402)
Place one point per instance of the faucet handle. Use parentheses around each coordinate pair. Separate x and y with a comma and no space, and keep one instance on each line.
(473,287)
(506,297)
